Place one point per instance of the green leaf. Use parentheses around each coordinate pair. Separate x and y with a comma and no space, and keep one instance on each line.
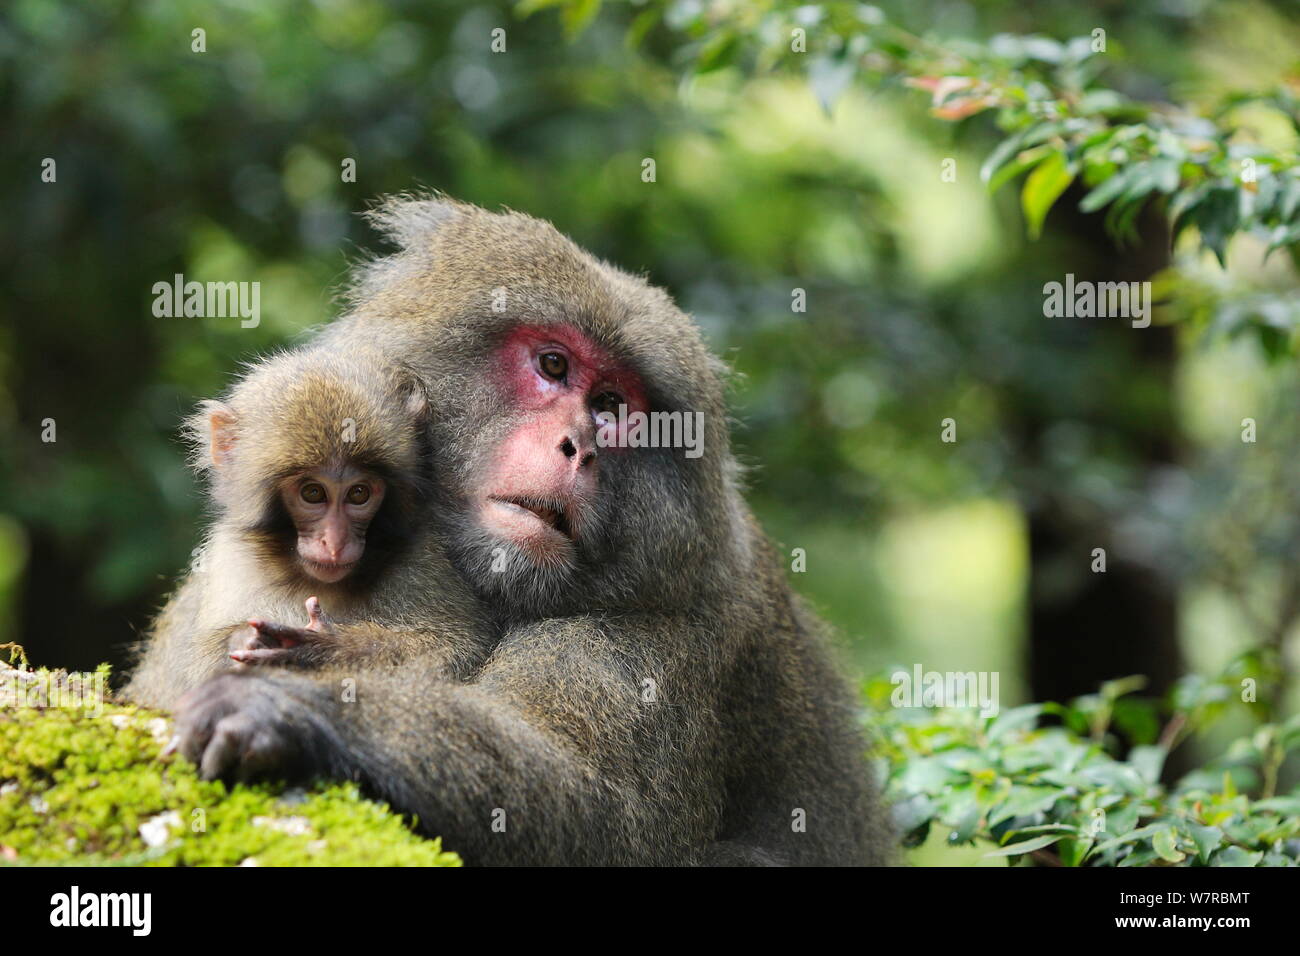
(718,52)
(1290,199)
(577,15)
(1217,218)
(1283,236)
(1106,191)
(1063,828)
(962,810)
(1235,856)
(1148,760)
(1131,837)
(1000,155)
(1117,776)
(913,812)
(643,23)
(1025,846)
(1207,840)
(1022,141)
(1025,801)
(1164,174)
(927,774)
(1121,820)
(1074,850)
(964,829)
(1165,843)
(1137,718)
(1140,858)
(1114,689)
(1024,161)
(1042,188)
(1286,806)
(830,77)
(1014,719)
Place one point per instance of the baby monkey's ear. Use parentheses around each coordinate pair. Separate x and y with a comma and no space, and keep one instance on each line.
(213,432)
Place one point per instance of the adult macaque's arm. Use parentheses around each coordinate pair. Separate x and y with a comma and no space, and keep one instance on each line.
(554,753)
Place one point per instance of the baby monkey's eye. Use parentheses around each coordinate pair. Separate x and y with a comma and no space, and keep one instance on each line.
(312,493)
(606,402)
(358,495)
(554,364)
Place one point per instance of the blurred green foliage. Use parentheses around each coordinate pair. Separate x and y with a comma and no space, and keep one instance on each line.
(1224,170)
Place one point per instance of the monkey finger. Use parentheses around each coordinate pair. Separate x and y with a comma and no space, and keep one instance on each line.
(260,634)
(318,620)
(263,750)
(196,717)
(222,751)
(264,655)
(279,635)
(252,639)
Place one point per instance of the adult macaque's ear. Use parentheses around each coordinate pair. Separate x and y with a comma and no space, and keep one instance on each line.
(221,432)
(408,220)
(417,403)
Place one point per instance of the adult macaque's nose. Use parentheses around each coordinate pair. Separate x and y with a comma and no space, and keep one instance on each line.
(581,453)
(578,441)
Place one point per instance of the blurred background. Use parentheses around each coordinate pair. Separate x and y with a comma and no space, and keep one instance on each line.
(924,302)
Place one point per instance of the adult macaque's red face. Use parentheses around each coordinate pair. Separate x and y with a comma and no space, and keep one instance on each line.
(544,475)
(332,511)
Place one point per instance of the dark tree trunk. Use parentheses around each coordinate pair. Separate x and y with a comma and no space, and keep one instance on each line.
(1087,627)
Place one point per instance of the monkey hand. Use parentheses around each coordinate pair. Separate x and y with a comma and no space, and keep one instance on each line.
(240,727)
(268,643)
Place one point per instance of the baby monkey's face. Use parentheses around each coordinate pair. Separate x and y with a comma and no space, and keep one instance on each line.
(331,510)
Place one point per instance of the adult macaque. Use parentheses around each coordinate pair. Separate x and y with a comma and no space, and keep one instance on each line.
(656,694)
(319,479)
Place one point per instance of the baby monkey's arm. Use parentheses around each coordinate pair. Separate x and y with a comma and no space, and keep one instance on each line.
(323,641)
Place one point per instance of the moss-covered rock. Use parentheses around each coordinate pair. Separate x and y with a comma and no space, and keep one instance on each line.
(84,780)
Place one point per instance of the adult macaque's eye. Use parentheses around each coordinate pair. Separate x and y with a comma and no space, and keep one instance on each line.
(358,495)
(312,493)
(554,364)
(606,402)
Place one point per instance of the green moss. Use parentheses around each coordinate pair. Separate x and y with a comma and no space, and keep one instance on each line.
(86,782)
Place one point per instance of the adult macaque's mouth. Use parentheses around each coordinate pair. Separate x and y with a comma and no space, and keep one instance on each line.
(549,510)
